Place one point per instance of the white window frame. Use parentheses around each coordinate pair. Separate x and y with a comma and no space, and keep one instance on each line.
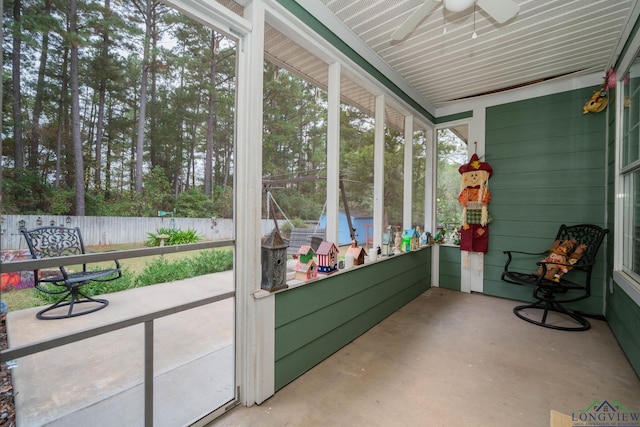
(628,281)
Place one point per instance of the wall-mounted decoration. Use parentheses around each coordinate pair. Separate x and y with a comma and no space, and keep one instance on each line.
(474,198)
(599,100)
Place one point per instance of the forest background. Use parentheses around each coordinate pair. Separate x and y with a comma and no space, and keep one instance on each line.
(126,108)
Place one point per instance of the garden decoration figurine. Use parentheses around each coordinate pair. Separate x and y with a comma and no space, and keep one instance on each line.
(397,243)
(439,237)
(455,236)
(474,198)
(424,237)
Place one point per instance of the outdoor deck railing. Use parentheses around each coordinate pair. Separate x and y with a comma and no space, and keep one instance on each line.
(147,319)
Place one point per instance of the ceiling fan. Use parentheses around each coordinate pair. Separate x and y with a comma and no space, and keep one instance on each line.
(500,10)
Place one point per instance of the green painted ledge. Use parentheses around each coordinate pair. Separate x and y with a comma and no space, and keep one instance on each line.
(315,320)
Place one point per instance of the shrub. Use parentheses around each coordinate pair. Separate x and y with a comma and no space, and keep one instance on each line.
(24,192)
(123,283)
(94,288)
(194,204)
(160,270)
(176,237)
(211,261)
(223,202)
(62,201)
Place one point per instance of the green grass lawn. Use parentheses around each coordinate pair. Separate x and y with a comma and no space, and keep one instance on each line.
(27,298)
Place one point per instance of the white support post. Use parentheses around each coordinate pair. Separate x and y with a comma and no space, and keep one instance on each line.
(333,152)
(430,182)
(254,317)
(430,177)
(476,260)
(407,205)
(378,172)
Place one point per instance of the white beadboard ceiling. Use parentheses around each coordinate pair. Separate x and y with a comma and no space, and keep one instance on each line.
(547,39)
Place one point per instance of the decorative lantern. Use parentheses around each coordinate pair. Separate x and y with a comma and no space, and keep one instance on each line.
(274,263)
(387,245)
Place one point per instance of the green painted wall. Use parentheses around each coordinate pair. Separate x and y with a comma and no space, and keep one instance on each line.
(623,316)
(315,320)
(449,275)
(549,164)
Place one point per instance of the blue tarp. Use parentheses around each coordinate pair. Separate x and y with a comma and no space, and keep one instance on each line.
(358,222)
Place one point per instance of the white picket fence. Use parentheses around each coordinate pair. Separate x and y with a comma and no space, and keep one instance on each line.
(108,230)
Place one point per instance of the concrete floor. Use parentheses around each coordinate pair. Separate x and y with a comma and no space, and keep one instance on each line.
(99,381)
(454,359)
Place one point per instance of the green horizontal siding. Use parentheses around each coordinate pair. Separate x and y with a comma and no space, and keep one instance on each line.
(623,316)
(449,276)
(549,163)
(315,320)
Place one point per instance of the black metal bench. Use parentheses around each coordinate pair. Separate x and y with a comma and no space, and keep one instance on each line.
(551,294)
(49,242)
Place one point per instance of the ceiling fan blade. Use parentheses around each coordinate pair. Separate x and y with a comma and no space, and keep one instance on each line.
(410,24)
(500,10)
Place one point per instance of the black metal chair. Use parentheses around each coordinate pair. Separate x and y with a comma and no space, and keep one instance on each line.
(551,294)
(49,242)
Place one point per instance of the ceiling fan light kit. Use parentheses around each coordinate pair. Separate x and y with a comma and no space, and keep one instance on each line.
(499,10)
(457,5)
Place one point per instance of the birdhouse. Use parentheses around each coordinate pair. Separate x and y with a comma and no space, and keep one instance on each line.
(274,263)
(327,258)
(305,254)
(306,271)
(306,267)
(358,253)
(415,238)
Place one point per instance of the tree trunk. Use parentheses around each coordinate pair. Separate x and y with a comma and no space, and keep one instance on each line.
(107,166)
(143,96)
(132,157)
(157,154)
(75,111)
(17,104)
(102,92)
(62,109)
(37,104)
(211,119)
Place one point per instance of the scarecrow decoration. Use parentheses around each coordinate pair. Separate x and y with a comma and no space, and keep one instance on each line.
(474,198)
(562,256)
